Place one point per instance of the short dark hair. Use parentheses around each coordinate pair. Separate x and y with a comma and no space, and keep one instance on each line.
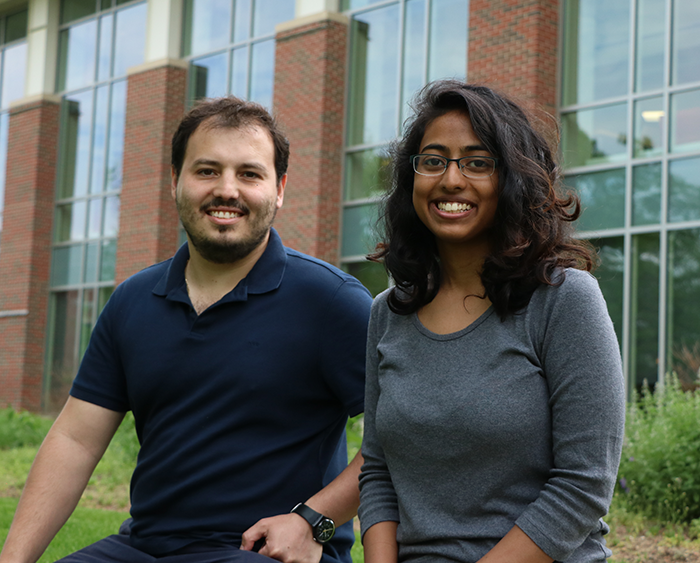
(531,238)
(228,112)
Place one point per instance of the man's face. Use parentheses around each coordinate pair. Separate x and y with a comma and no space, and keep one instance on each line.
(227,194)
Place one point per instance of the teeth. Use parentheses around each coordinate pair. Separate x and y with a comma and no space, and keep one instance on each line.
(224,214)
(453,207)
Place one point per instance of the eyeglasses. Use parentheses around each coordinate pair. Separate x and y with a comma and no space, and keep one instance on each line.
(469,166)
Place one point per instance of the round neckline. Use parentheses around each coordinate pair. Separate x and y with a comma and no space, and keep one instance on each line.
(452,335)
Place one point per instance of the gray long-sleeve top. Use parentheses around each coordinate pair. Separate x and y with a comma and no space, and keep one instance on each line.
(515,422)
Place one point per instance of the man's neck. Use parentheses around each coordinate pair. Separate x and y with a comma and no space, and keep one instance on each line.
(207,282)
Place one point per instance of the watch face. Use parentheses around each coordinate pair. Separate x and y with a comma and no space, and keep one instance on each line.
(324,530)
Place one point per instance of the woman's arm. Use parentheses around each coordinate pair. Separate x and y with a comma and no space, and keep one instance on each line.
(380,543)
(516,547)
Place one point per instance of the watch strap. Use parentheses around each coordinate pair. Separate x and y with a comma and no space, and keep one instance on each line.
(308,514)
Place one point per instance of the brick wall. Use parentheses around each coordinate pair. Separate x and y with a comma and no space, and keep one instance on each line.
(25,251)
(309,101)
(513,47)
(148,219)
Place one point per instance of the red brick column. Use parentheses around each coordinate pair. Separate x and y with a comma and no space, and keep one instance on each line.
(25,250)
(148,219)
(513,47)
(309,101)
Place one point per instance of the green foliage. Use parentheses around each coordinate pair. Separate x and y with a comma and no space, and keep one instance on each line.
(660,469)
(354,431)
(20,429)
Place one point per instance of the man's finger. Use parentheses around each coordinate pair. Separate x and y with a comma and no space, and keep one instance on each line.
(252,535)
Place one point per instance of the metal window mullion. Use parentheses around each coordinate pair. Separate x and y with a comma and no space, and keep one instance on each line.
(399,74)
(426,41)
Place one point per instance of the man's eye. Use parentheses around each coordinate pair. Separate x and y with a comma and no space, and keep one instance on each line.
(206,172)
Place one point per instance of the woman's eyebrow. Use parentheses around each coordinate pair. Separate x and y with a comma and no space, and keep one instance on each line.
(439,147)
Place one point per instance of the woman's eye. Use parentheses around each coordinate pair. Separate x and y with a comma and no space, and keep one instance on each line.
(433,161)
(477,163)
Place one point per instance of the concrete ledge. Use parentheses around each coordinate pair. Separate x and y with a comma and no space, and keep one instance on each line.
(311,19)
(179,63)
(32,100)
(14,313)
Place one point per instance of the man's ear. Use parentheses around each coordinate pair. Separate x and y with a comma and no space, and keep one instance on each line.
(280,190)
(173,182)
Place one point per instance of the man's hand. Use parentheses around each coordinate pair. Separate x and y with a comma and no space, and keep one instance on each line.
(287,538)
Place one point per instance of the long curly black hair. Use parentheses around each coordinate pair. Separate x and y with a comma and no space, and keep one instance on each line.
(532,235)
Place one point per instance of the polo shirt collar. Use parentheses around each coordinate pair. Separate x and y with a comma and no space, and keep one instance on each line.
(266,275)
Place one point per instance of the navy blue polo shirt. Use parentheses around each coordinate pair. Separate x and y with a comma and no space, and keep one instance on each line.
(241,410)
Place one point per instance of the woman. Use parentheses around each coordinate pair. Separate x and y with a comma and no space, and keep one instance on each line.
(495,400)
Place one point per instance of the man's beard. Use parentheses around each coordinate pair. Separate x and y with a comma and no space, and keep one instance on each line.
(222,250)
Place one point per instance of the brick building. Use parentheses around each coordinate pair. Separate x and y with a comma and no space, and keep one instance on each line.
(91,90)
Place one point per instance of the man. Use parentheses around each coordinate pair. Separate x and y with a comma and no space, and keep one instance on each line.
(241,361)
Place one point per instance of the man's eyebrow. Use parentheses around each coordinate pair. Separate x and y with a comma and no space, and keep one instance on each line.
(206,162)
(439,147)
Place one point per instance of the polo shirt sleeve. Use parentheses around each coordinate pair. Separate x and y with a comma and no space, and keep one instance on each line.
(100,379)
(342,344)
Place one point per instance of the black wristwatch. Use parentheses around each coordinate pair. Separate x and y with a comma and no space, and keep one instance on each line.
(322,527)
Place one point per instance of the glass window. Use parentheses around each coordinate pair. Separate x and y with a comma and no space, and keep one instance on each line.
(77,50)
(684,190)
(596,50)
(62,364)
(16,26)
(646,194)
(595,136)
(66,265)
(70,222)
(414,55)
(685,121)
(104,56)
(448,30)
(367,173)
(262,72)
(682,327)
(602,198)
(371,274)
(209,76)
(115,149)
(359,235)
(651,43)
(686,41)
(4,123)
(72,10)
(649,121)
(268,13)
(239,72)
(129,38)
(76,130)
(14,60)
(241,22)
(610,276)
(208,25)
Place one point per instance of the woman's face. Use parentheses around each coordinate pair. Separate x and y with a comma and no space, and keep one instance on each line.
(456,209)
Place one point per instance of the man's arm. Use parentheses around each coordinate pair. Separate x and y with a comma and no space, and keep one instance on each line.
(288,537)
(57,479)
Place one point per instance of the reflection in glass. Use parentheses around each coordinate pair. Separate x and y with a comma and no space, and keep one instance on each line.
(373,76)
(649,121)
(685,121)
(129,38)
(86,324)
(646,194)
(371,274)
(354,4)
(595,135)
(207,25)
(4,124)
(241,20)
(62,360)
(99,140)
(108,259)
(70,222)
(94,218)
(77,52)
(208,76)
(239,72)
(414,55)
(104,294)
(359,235)
(104,56)
(268,13)
(74,151)
(66,265)
(602,199)
(367,173)
(76,9)
(596,50)
(115,150)
(682,327)
(685,42)
(610,274)
(262,72)
(651,41)
(13,71)
(90,270)
(448,39)
(644,312)
(684,190)
(111,219)
(16,26)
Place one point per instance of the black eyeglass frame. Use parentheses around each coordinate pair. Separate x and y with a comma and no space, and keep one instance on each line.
(413,160)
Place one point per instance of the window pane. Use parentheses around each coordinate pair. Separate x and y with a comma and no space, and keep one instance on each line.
(685,121)
(651,39)
(94,218)
(354,4)
(66,265)
(373,112)
(104,57)
(207,25)
(130,38)
(448,39)
(684,190)
(87,316)
(372,275)
(262,73)
(596,50)
(62,361)
(115,151)
(111,220)
(75,145)
(208,76)
(359,235)
(595,136)
(70,222)
(269,13)
(239,72)
(108,259)
(16,26)
(241,20)
(367,173)
(686,41)
(646,194)
(644,321)
(684,303)
(414,55)
(610,274)
(649,121)
(4,124)
(90,270)
(13,72)
(99,140)
(602,198)
(76,9)
(78,47)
